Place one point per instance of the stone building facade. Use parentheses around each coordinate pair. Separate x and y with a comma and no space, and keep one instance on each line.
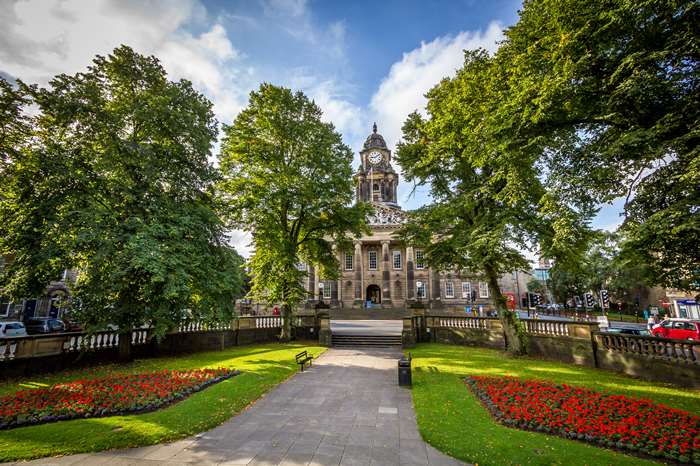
(381,272)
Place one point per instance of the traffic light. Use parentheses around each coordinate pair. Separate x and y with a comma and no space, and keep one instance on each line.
(604,299)
(589,299)
(538,299)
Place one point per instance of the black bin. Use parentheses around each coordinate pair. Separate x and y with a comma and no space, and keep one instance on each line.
(405,371)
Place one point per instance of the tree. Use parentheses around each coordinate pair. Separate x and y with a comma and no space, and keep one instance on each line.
(288,181)
(117,185)
(488,201)
(614,91)
(537,286)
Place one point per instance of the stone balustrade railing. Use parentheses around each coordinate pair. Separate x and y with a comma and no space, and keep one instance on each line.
(459,322)
(58,343)
(681,351)
(547,327)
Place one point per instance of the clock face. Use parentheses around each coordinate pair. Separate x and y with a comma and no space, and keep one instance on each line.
(374,158)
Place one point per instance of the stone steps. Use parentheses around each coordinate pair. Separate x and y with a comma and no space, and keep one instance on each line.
(370,314)
(366,340)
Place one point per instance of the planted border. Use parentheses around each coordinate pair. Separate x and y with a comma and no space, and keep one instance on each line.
(105,396)
(614,421)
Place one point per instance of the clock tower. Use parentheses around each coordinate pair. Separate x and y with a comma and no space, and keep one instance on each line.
(376,179)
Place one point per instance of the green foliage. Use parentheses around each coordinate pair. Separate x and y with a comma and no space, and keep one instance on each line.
(262,368)
(611,87)
(489,202)
(288,181)
(452,420)
(116,184)
(537,286)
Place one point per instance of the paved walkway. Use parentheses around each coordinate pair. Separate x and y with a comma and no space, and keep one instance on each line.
(346,410)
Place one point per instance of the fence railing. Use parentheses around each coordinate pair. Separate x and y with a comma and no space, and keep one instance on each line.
(57,343)
(684,351)
(547,327)
(459,322)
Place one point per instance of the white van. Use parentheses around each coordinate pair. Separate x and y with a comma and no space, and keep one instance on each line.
(12,329)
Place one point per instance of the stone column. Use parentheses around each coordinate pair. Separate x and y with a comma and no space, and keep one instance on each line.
(410,278)
(357,265)
(386,274)
(435,288)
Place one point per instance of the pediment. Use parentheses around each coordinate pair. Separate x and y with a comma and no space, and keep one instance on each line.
(384,215)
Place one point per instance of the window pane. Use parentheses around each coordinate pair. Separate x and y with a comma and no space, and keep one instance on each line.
(420,290)
(348,261)
(449,290)
(483,290)
(419,259)
(397,259)
(373,260)
(466,290)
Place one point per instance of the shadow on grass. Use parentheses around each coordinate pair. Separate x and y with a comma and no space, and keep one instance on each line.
(462,361)
(262,367)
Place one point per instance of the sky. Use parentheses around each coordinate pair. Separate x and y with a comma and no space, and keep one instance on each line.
(361,61)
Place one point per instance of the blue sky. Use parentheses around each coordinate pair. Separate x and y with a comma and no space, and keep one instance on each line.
(360,61)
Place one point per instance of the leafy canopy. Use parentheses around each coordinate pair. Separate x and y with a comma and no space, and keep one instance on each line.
(612,88)
(288,181)
(115,183)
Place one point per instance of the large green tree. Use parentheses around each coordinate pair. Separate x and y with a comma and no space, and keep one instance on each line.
(116,183)
(288,181)
(489,203)
(613,88)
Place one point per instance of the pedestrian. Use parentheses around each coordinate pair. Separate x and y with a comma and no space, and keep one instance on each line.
(275,311)
(651,321)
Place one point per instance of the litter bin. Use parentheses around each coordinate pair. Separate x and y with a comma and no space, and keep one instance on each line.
(405,371)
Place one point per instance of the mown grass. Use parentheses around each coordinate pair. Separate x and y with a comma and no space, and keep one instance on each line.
(262,367)
(451,419)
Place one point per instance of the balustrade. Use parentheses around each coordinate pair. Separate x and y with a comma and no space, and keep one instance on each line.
(674,350)
(546,327)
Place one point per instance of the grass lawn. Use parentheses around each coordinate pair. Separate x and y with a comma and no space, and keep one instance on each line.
(262,367)
(451,419)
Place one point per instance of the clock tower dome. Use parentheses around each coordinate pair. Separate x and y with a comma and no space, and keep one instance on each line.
(376,179)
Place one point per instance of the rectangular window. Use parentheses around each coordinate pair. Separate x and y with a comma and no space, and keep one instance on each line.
(483,290)
(419,259)
(372,260)
(326,290)
(449,290)
(420,290)
(4,306)
(466,290)
(301,266)
(397,259)
(348,261)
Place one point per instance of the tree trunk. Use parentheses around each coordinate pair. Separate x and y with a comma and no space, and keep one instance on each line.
(286,334)
(125,347)
(516,340)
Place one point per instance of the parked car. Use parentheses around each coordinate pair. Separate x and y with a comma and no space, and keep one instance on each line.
(680,329)
(629,331)
(12,329)
(45,325)
(72,325)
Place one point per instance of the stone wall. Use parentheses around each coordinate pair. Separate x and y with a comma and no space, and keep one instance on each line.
(25,356)
(650,358)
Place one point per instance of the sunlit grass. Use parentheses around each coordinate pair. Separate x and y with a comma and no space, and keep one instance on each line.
(452,420)
(262,367)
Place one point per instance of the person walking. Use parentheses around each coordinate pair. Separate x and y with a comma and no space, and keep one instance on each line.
(651,321)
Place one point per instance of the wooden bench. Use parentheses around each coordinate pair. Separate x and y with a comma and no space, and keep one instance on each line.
(302,358)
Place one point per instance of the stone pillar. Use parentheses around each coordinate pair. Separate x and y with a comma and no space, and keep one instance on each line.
(410,278)
(386,274)
(435,289)
(357,265)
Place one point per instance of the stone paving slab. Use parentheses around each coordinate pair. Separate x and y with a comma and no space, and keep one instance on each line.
(346,410)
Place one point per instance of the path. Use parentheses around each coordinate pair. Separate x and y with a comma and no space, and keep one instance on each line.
(346,410)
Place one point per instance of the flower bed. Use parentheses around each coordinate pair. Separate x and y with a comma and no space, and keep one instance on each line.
(105,396)
(614,421)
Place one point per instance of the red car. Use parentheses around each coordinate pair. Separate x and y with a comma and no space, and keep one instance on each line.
(680,329)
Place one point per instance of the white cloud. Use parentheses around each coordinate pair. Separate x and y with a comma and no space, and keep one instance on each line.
(42,38)
(403,90)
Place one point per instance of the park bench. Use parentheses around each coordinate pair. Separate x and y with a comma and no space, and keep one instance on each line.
(302,358)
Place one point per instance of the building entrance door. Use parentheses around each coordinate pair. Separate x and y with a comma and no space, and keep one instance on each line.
(374,294)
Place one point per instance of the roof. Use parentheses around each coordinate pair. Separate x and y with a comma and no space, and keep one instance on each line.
(375,140)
